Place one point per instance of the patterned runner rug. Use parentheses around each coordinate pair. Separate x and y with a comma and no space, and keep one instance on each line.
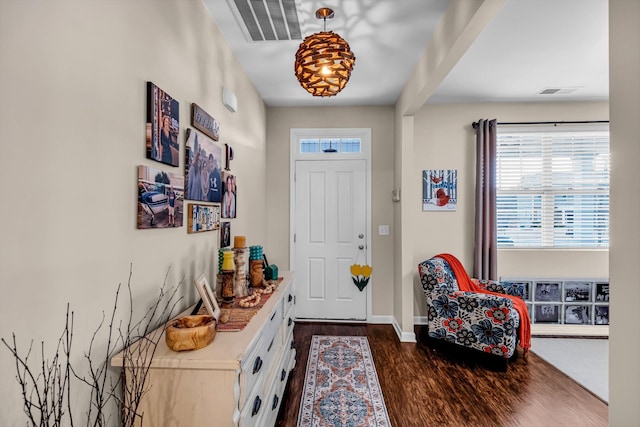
(341,387)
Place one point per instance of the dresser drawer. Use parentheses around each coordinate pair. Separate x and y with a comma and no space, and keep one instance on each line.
(275,387)
(269,388)
(273,322)
(287,327)
(288,299)
(254,411)
(259,364)
(258,358)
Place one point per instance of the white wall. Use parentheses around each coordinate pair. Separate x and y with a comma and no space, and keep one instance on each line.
(380,119)
(72,120)
(624,338)
(444,139)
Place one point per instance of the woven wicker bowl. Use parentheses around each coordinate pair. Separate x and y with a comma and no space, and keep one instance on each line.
(190,332)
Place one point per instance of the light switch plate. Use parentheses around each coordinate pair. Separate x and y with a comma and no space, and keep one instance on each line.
(383,230)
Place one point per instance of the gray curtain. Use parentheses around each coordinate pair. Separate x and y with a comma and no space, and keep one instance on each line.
(486,239)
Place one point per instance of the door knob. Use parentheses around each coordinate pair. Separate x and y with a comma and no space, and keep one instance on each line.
(361,247)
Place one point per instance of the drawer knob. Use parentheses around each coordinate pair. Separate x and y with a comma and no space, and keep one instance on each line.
(256,406)
(292,346)
(290,298)
(276,399)
(283,375)
(290,321)
(257,365)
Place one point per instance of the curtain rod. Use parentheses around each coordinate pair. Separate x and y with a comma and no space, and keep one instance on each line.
(475,124)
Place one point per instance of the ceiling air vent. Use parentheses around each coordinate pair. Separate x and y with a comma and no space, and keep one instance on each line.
(267,20)
(557,90)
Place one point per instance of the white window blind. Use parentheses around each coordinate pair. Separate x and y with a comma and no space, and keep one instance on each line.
(553,187)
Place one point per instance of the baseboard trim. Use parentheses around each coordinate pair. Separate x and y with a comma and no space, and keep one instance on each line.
(305,320)
(420,320)
(380,320)
(375,320)
(547,330)
(403,336)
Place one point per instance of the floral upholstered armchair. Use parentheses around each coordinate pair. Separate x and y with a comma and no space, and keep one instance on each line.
(485,322)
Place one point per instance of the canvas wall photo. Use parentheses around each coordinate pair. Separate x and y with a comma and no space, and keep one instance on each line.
(439,190)
(163,126)
(160,198)
(203,168)
(229,196)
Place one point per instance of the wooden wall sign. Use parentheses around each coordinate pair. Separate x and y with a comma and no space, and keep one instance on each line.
(206,124)
(203,218)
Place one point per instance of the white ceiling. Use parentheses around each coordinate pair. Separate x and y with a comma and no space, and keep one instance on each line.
(530,45)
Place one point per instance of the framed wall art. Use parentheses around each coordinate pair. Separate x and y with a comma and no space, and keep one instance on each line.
(203,218)
(547,313)
(439,190)
(163,126)
(601,314)
(160,198)
(577,291)
(207,296)
(206,124)
(602,292)
(203,168)
(577,315)
(547,291)
(225,234)
(229,197)
(569,301)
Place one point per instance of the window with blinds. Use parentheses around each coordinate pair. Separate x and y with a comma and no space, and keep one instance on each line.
(553,187)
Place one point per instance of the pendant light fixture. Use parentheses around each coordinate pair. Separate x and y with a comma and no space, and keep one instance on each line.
(324,60)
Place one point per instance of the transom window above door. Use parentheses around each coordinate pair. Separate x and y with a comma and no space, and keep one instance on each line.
(330,145)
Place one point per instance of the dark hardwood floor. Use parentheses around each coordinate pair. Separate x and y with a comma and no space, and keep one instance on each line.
(436,385)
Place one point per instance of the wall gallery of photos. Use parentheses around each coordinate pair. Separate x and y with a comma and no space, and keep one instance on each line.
(566,301)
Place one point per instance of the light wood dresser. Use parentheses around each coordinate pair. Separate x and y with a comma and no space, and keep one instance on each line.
(238,380)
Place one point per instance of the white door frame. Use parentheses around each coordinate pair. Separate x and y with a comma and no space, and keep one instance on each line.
(365,140)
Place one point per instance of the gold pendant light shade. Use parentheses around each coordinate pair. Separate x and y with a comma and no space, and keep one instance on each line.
(324,62)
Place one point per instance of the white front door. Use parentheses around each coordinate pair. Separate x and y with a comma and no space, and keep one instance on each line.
(330,233)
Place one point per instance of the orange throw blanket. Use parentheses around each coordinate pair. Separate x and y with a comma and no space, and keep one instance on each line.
(467,285)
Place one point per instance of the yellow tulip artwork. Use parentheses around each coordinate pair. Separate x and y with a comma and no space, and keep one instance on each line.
(361,275)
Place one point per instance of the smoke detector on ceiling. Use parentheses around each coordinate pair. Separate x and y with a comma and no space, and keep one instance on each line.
(557,90)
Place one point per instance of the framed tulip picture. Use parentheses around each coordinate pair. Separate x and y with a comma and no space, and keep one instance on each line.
(439,189)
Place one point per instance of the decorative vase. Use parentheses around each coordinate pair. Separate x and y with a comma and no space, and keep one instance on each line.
(241,274)
(219,286)
(227,261)
(257,275)
(228,289)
